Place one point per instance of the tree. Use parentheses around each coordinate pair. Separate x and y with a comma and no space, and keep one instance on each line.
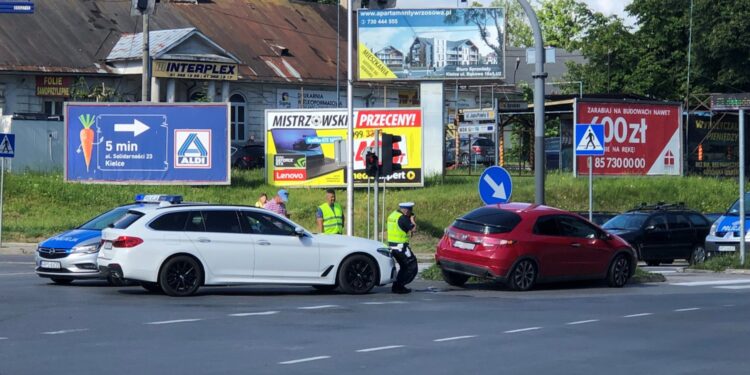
(564,23)
(517,29)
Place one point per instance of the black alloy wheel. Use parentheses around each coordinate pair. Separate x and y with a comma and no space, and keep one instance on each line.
(180,276)
(454,279)
(698,255)
(358,275)
(523,275)
(619,272)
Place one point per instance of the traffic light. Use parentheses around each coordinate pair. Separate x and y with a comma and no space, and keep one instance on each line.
(141,5)
(371,164)
(388,153)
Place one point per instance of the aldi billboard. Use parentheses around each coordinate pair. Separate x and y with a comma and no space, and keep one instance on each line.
(642,138)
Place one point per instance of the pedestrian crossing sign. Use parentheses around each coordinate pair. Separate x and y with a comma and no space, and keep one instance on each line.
(589,139)
(7,145)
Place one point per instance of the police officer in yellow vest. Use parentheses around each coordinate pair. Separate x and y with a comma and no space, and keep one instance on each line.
(401,224)
(330,215)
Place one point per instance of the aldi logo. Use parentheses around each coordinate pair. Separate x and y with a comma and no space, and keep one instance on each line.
(192,148)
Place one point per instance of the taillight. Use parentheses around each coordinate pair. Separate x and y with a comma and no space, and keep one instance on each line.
(476,149)
(495,243)
(127,241)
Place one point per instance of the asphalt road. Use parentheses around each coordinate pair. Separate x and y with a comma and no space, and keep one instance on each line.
(694,324)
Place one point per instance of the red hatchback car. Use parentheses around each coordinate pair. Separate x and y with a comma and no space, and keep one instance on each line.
(522,244)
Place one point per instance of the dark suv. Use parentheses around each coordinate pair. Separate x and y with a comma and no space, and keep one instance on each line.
(662,233)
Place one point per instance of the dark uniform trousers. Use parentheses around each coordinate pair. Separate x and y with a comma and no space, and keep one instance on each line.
(407,264)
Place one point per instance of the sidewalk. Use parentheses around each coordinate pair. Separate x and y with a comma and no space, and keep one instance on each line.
(18,248)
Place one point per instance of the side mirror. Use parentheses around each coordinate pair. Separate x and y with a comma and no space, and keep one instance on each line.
(299,231)
(605,236)
(650,228)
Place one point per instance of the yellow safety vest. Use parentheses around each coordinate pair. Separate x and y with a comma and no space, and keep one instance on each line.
(333,219)
(395,233)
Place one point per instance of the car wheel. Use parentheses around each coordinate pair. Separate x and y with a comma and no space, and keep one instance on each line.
(180,276)
(619,272)
(523,275)
(151,287)
(652,263)
(455,279)
(61,280)
(357,275)
(325,288)
(698,255)
(465,159)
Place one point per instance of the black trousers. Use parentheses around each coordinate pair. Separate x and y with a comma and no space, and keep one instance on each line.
(407,264)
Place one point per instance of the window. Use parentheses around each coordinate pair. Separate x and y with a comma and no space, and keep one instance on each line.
(698,220)
(677,221)
(261,223)
(546,226)
(195,222)
(488,220)
(174,221)
(659,222)
(104,220)
(574,227)
(224,221)
(126,220)
(53,107)
(238,117)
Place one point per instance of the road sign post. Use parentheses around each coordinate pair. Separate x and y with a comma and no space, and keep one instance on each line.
(495,185)
(7,150)
(590,141)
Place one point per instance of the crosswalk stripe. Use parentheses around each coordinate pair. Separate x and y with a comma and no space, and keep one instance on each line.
(713,282)
(733,287)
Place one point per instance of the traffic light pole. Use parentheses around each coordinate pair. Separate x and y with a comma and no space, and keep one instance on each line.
(350,123)
(146,76)
(375,192)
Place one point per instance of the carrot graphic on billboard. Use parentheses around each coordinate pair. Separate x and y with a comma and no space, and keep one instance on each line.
(87,137)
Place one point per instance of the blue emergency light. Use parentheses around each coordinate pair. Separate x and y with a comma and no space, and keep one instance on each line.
(156,198)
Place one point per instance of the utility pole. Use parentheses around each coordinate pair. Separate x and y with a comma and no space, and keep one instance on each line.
(146,76)
(350,122)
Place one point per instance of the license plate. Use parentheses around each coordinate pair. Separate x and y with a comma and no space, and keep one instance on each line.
(51,265)
(463,245)
(726,248)
(107,245)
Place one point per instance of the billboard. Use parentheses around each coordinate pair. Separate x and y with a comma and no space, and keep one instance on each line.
(147,143)
(307,147)
(431,44)
(641,138)
(293,98)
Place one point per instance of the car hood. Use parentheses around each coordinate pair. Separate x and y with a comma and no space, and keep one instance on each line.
(68,239)
(349,242)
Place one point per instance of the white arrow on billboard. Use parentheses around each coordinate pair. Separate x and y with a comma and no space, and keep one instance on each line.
(136,127)
(498,190)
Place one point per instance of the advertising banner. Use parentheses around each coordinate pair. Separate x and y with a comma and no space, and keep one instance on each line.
(292,98)
(147,143)
(641,138)
(308,147)
(425,44)
(53,86)
(195,70)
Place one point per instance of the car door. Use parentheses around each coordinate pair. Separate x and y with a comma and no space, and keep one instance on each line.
(588,254)
(227,252)
(281,254)
(681,234)
(550,247)
(655,243)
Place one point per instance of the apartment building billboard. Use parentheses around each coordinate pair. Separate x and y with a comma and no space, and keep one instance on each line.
(431,44)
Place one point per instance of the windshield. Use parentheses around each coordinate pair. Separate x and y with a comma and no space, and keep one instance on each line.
(626,221)
(104,220)
(735,209)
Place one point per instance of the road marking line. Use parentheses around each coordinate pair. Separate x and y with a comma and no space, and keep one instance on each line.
(173,321)
(304,360)
(715,282)
(65,331)
(454,338)
(523,330)
(379,348)
(688,309)
(733,287)
(16,273)
(317,307)
(728,305)
(582,322)
(637,315)
(255,313)
(3,338)
(384,303)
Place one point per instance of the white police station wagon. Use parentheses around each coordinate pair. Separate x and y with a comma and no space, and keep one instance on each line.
(177,249)
(71,255)
(724,236)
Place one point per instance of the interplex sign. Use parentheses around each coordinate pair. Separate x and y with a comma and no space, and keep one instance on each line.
(642,138)
(308,147)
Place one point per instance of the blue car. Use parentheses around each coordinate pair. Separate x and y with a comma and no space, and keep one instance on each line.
(71,255)
(724,237)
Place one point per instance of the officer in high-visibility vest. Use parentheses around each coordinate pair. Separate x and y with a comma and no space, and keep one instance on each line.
(330,215)
(401,224)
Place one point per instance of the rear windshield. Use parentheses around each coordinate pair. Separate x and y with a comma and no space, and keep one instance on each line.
(483,142)
(104,220)
(126,220)
(488,220)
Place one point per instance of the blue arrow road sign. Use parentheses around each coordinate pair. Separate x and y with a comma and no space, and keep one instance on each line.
(26,7)
(495,185)
(7,145)
(589,139)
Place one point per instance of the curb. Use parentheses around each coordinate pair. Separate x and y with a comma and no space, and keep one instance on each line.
(18,248)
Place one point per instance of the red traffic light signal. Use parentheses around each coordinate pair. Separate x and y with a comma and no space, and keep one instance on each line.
(389,152)
(371,164)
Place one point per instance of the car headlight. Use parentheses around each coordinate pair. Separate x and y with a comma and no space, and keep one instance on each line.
(385,251)
(85,249)
(714,227)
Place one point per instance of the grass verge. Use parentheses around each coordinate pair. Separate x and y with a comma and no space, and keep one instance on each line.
(721,263)
(640,276)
